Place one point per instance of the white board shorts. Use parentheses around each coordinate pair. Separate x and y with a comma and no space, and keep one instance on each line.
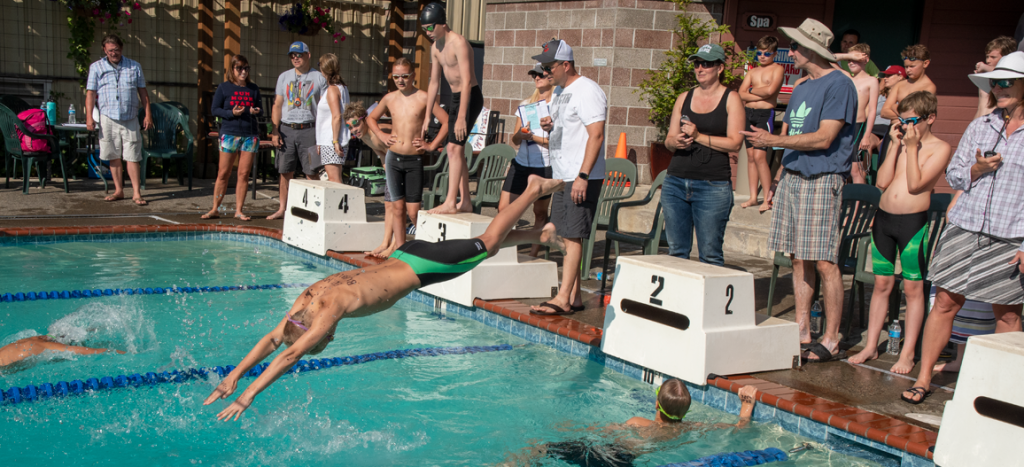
(120,139)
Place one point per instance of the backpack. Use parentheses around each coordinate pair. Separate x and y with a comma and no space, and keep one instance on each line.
(35,121)
(370,179)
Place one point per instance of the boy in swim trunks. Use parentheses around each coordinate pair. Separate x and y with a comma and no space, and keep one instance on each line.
(452,54)
(916,160)
(404,162)
(310,324)
(867,105)
(21,349)
(760,93)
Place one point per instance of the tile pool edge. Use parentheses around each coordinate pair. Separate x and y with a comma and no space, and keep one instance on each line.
(820,420)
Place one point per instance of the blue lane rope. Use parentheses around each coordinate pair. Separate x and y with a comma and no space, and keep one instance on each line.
(737,459)
(86,293)
(17,395)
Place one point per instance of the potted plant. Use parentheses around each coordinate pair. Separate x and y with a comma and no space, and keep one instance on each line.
(82,16)
(306,20)
(675,75)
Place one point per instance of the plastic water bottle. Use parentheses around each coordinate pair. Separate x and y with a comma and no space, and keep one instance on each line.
(816,318)
(71,115)
(894,337)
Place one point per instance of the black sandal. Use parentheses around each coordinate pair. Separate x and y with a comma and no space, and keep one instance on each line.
(916,391)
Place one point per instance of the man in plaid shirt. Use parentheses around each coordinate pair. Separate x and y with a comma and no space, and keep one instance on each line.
(117,88)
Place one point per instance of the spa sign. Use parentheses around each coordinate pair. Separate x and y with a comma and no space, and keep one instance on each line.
(759,21)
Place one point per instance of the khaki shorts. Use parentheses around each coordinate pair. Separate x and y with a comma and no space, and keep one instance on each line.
(120,139)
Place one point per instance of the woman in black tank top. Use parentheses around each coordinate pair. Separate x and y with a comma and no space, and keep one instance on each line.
(697,192)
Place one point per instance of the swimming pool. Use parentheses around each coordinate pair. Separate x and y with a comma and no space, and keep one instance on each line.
(466,409)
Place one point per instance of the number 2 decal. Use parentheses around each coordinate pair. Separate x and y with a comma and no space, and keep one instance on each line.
(661,285)
(344,204)
(444,230)
(305,197)
(729,292)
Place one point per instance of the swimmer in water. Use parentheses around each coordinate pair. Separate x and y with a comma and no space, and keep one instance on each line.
(671,404)
(310,324)
(19,350)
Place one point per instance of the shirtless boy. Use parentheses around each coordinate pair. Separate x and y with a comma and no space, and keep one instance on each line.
(867,105)
(311,323)
(760,92)
(404,162)
(452,54)
(19,350)
(918,159)
(355,119)
(916,59)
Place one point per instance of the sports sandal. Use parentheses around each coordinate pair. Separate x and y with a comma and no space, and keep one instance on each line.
(916,391)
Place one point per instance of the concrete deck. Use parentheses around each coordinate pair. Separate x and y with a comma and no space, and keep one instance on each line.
(867,387)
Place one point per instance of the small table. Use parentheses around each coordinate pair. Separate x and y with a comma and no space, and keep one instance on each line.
(76,133)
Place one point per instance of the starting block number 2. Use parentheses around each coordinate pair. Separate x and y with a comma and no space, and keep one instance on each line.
(655,279)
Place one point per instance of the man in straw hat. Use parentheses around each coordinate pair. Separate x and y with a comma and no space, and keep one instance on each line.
(819,142)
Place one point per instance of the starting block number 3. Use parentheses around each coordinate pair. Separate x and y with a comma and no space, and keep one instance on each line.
(655,279)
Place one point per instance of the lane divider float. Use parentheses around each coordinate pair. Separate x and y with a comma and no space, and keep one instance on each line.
(16,395)
(736,459)
(86,293)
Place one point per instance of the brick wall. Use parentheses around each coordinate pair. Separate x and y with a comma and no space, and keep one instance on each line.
(630,35)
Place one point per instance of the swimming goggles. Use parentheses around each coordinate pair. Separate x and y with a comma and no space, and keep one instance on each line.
(401,75)
(300,325)
(429,27)
(909,59)
(354,122)
(663,412)
(1003,83)
(909,120)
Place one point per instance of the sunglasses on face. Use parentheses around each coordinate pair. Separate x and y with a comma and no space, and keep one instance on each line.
(402,75)
(704,64)
(794,47)
(766,54)
(241,68)
(429,27)
(1002,83)
(909,120)
(547,68)
(295,55)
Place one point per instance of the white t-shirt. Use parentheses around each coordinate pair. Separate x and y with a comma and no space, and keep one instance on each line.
(572,109)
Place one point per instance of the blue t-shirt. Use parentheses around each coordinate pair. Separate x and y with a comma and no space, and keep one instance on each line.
(228,96)
(831,97)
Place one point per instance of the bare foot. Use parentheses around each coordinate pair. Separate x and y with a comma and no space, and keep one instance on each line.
(211,215)
(242,217)
(869,353)
(140,202)
(377,251)
(765,207)
(547,185)
(277,215)
(748,203)
(904,365)
(465,207)
(550,237)
(948,367)
(387,252)
(114,197)
(444,209)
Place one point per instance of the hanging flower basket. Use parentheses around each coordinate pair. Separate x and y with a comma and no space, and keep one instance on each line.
(306,20)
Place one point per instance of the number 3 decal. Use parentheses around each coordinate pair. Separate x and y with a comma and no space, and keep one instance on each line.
(661,285)
(729,291)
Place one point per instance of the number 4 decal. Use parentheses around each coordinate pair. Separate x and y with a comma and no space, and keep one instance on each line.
(344,204)
(305,197)
(661,285)
(444,230)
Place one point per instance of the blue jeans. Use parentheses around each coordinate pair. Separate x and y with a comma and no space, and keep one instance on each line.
(696,203)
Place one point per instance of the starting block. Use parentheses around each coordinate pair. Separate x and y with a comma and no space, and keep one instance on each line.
(324,215)
(505,275)
(689,319)
(985,420)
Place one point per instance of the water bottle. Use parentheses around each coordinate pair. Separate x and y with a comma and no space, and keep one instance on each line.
(71,115)
(894,337)
(816,318)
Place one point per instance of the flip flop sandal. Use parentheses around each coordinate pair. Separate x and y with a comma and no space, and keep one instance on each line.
(916,391)
(558,310)
(819,351)
(577,308)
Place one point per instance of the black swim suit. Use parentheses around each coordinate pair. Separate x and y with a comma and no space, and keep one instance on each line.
(404,176)
(476,103)
(581,453)
(763,119)
(441,261)
(903,233)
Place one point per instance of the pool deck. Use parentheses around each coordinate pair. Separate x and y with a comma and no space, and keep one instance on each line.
(863,400)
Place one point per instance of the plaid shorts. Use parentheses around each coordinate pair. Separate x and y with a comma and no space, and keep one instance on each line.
(805,216)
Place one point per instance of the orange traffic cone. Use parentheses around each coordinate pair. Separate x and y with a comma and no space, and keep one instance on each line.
(620,151)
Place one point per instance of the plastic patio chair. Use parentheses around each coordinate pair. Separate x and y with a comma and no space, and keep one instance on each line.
(936,224)
(858,209)
(10,124)
(439,187)
(168,123)
(490,167)
(649,241)
(619,184)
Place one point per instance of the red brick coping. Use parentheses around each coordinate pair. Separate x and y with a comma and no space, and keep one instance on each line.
(876,427)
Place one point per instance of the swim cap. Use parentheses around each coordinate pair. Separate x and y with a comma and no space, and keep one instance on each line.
(433,13)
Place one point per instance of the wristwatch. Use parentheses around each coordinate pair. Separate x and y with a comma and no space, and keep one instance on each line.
(584,175)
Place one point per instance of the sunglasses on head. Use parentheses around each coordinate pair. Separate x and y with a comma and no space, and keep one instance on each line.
(429,27)
(704,64)
(766,54)
(401,75)
(1003,83)
(909,59)
(909,120)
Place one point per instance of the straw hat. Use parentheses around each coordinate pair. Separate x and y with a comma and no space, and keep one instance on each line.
(1010,66)
(812,35)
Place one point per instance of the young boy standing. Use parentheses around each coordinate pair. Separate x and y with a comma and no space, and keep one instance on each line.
(404,162)
(760,92)
(355,119)
(917,159)
(867,105)
(916,59)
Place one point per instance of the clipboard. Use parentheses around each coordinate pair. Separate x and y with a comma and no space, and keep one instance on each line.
(532,113)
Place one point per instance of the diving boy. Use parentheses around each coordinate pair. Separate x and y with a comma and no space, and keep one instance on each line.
(310,324)
(917,159)
(867,104)
(760,92)
(404,162)
(452,54)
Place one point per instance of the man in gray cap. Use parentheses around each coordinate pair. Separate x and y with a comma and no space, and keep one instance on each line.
(294,116)
(579,109)
(820,121)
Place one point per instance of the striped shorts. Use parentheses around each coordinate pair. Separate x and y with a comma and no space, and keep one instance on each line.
(805,216)
(977,266)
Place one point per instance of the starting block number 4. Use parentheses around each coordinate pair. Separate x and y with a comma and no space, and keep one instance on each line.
(323,215)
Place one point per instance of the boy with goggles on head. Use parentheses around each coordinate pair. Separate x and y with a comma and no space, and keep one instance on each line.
(916,161)
(916,59)
(760,93)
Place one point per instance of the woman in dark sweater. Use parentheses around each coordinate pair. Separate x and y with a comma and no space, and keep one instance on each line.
(237,103)
(697,192)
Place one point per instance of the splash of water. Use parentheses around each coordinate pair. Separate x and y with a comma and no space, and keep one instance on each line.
(120,324)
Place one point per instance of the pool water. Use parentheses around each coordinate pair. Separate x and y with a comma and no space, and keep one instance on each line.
(470,409)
